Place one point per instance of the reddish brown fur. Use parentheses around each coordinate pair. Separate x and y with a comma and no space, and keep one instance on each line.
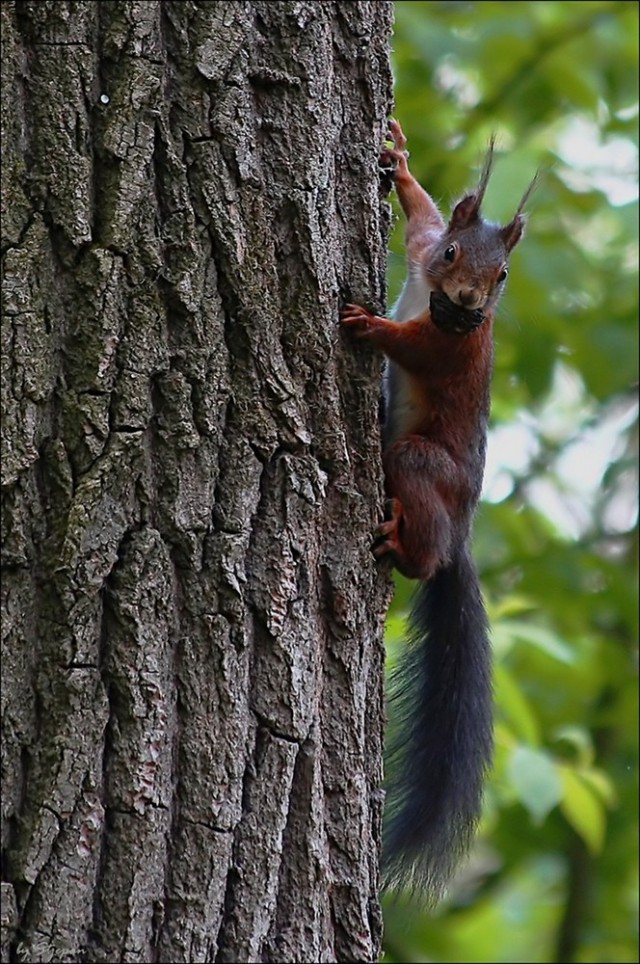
(432,469)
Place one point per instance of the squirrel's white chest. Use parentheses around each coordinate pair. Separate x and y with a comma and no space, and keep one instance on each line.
(413,301)
(414,298)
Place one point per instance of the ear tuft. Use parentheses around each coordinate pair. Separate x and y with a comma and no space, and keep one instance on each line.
(467,210)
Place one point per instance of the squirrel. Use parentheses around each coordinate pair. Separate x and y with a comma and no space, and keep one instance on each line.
(440,359)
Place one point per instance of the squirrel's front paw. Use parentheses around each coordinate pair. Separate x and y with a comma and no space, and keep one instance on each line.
(396,155)
(397,135)
(358,319)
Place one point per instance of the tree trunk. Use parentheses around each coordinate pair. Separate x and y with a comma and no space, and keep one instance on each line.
(192,699)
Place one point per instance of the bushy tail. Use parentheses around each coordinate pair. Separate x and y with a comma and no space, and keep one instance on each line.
(441,740)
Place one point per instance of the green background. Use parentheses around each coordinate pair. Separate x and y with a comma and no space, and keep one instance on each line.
(554,874)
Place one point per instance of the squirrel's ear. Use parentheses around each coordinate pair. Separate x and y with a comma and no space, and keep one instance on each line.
(512,232)
(465,212)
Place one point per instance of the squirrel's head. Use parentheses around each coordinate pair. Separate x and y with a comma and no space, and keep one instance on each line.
(471,262)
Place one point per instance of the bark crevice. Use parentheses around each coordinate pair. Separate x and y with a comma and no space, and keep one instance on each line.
(192,657)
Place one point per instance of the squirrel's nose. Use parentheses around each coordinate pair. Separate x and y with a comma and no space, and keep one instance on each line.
(467,296)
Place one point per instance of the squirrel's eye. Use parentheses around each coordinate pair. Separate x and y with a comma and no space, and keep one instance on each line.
(503,274)
(450,252)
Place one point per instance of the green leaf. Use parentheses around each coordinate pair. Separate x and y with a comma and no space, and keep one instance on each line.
(535,778)
(543,639)
(583,809)
(601,785)
(515,708)
(578,738)
(510,605)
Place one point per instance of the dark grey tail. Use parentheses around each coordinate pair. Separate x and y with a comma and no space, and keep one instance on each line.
(441,740)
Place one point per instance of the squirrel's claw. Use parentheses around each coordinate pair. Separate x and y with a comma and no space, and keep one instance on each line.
(386,535)
(357,318)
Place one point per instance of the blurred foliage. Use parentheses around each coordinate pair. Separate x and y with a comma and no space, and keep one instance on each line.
(554,874)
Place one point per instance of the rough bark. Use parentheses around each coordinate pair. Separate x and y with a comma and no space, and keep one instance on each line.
(192,657)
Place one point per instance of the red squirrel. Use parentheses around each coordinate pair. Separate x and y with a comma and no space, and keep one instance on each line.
(440,351)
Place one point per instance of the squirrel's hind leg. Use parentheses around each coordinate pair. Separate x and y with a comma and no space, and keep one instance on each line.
(419,534)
